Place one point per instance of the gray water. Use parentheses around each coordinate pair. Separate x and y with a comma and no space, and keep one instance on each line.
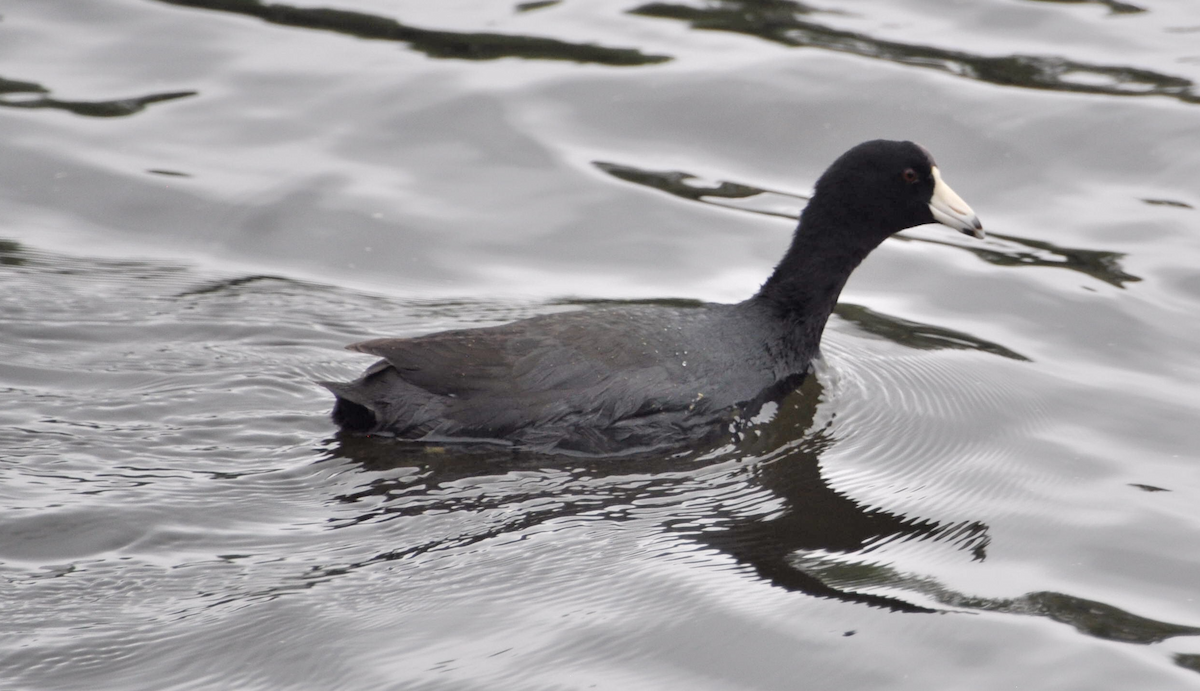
(992,483)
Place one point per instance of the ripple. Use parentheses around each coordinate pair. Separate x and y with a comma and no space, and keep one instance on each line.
(181,514)
(919,427)
(436,44)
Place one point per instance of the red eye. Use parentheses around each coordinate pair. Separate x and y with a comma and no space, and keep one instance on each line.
(910,176)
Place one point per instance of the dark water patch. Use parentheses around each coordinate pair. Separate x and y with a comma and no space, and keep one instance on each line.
(12,86)
(539,5)
(723,193)
(1188,661)
(916,335)
(93,109)
(1020,252)
(1101,265)
(169,173)
(786,23)
(1148,488)
(36,263)
(233,283)
(1114,6)
(1168,202)
(1089,617)
(1092,618)
(11,254)
(454,45)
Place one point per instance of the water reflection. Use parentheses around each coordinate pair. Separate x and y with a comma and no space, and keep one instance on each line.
(730,195)
(13,86)
(436,44)
(1114,6)
(761,500)
(537,5)
(917,335)
(1089,617)
(804,514)
(12,254)
(785,22)
(1099,264)
(1011,251)
(1168,202)
(95,109)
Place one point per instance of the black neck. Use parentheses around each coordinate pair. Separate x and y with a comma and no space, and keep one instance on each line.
(804,287)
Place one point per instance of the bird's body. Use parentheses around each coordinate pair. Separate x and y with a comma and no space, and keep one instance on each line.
(645,377)
(563,381)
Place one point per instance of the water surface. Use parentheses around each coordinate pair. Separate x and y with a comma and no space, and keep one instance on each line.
(991,483)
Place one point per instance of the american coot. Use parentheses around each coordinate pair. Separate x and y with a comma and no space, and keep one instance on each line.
(637,378)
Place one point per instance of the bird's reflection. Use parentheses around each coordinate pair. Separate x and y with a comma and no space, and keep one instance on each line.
(761,499)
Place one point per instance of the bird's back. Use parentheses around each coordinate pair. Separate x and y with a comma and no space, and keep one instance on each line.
(596,381)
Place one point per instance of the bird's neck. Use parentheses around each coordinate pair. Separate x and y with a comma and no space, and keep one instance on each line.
(804,288)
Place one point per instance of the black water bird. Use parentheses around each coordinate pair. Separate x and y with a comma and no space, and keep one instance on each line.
(639,378)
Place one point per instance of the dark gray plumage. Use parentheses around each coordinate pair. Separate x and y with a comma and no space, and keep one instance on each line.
(637,378)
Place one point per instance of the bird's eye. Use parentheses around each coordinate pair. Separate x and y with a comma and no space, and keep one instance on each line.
(910,176)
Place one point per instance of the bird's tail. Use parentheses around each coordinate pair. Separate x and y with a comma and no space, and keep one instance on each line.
(348,414)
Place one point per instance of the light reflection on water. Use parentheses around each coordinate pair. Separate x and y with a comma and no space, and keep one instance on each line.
(1002,431)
